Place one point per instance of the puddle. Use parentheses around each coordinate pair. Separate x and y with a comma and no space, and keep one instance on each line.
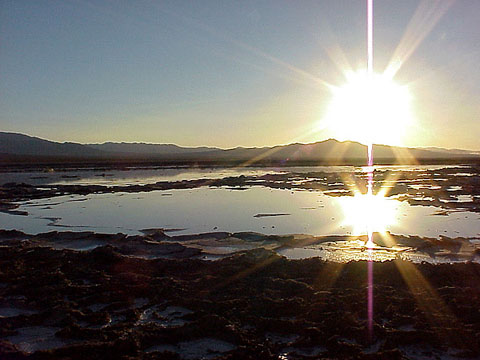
(34,338)
(344,251)
(281,338)
(78,245)
(287,352)
(97,307)
(140,302)
(425,352)
(205,348)
(6,312)
(171,316)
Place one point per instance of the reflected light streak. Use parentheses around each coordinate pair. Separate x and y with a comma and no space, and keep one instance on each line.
(370,295)
(423,21)
(370,173)
(367,213)
(433,307)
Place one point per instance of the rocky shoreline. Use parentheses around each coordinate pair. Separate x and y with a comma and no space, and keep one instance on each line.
(109,303)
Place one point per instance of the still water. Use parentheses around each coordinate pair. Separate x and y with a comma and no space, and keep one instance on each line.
(259,209)
(149,175)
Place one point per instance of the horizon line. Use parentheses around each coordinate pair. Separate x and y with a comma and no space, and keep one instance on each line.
(213,147)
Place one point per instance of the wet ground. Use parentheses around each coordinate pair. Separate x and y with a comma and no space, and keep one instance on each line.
(157,293)
(111,302)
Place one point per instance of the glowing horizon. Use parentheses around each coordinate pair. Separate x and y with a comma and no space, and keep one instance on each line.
(254,79)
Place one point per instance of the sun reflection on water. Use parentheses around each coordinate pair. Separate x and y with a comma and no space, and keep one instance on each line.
(368,212)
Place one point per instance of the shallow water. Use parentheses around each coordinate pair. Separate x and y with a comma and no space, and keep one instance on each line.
(355,250)
(203,348)
(34,338)
(130,176)
(6,312)
(149,175)
(259,209)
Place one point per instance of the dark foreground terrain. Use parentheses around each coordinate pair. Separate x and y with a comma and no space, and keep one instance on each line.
(102,304)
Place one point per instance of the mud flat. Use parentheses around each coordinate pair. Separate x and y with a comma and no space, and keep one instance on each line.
(85,295)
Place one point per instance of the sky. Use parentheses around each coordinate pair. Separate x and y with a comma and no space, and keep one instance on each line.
(230,73)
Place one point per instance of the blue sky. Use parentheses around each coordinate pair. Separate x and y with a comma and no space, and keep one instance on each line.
(226,73)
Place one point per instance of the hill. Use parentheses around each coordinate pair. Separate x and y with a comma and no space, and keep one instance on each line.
(20,148)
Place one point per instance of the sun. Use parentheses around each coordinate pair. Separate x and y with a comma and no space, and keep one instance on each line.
(369,109)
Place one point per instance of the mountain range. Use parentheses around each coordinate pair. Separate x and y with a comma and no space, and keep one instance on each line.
(20,148)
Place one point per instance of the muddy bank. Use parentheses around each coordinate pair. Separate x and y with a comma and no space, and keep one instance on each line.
(162,244)
(106,303)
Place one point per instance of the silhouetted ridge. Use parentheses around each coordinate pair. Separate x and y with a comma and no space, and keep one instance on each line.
(14,146)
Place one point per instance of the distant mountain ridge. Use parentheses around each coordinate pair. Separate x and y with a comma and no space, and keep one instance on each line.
(144,148)
(19,146)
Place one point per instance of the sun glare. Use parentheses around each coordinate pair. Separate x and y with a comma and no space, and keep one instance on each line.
(369,110)
(367,212)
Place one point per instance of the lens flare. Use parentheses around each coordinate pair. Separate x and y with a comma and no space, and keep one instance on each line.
(370,108)
(370,166)
(367,213)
